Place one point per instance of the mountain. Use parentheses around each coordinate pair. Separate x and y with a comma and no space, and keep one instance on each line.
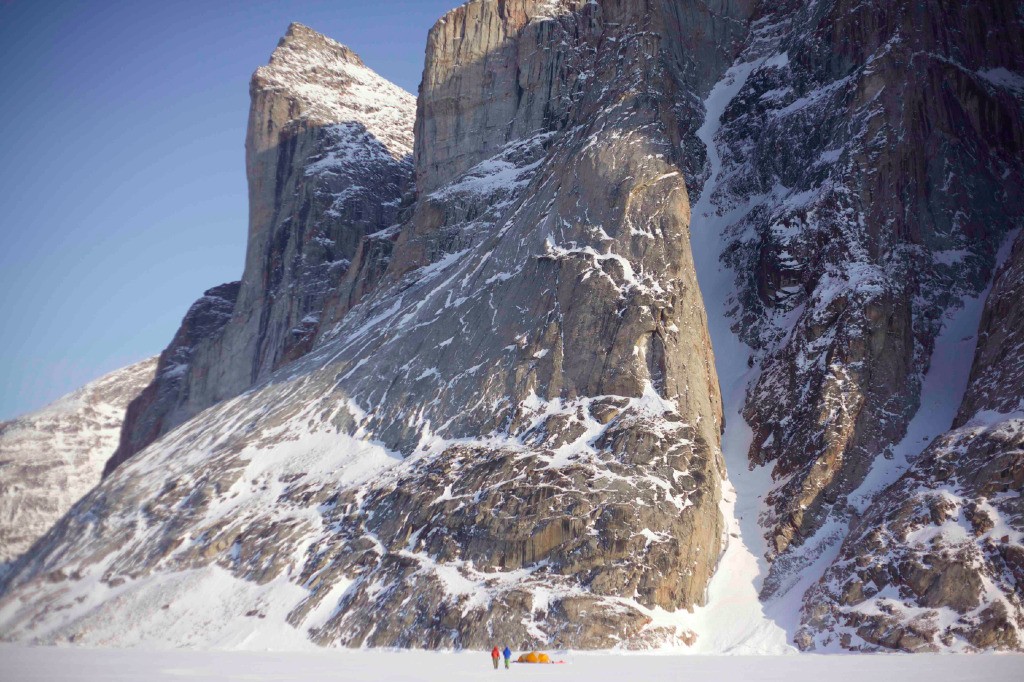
(852,246)
(449,451)
(685,325)
(51,457)
(870,171)
(937,561)
(327,160)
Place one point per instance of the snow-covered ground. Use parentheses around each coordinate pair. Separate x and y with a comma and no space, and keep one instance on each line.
(21,664)
(734,620)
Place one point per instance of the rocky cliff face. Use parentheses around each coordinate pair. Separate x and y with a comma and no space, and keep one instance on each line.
(871,167)
(327,161)
(870,164)
(488,81)
(160,407)
(513,434)
(937,561)
(532,82)
(50,458)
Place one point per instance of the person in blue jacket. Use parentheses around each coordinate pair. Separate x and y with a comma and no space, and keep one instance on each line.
(507,653)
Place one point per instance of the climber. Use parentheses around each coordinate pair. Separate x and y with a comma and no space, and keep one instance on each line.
(508,655)
(495,656)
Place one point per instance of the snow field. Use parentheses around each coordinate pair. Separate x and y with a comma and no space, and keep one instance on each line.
(734,620)
(25,664)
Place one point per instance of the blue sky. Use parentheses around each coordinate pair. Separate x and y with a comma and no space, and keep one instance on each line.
(122,165)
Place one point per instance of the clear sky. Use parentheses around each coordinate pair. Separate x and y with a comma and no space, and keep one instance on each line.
(122,177)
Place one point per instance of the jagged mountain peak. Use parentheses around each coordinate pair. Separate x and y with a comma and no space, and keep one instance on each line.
(299,41)
(325,83)
(327,162)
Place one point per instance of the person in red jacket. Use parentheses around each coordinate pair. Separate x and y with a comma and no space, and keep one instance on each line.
(495,655)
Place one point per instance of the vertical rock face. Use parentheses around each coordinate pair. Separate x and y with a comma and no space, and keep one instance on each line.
(937,561)
(496,72)
(158,408)
(327,160)
(872,165)
(487,81)
(514,433)
(50,458)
